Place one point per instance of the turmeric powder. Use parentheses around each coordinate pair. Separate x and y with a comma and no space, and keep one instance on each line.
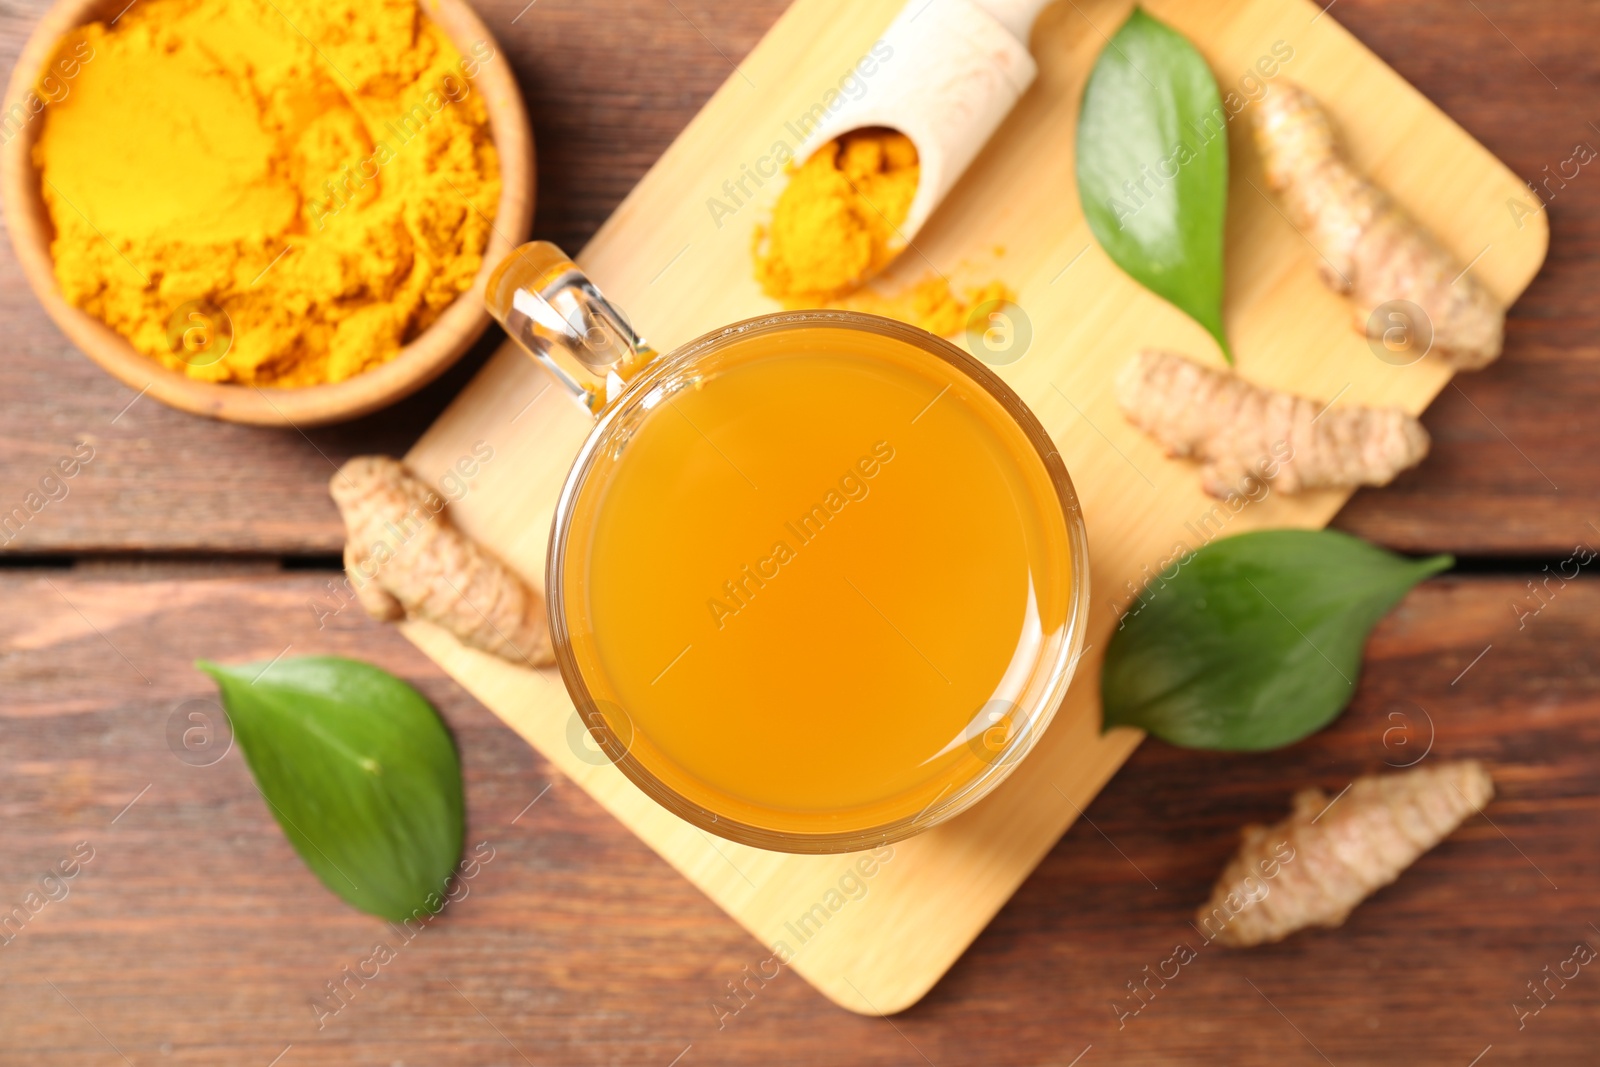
(931,304)
(837,223)
(320,172)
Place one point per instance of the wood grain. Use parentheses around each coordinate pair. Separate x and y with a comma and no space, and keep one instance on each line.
(627,76)
(681,271)
(195,936)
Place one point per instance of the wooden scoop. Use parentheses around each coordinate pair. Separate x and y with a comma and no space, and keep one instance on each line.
(956,69)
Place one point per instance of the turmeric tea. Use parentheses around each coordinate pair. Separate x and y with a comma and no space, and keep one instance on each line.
(868,580)
(319,176)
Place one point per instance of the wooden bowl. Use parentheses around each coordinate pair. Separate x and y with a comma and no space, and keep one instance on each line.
(418,363)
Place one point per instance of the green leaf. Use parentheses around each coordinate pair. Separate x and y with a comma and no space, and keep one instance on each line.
(1256,642)
(1152,162)
(360,773)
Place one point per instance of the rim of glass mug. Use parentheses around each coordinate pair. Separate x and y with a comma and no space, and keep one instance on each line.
(618,403)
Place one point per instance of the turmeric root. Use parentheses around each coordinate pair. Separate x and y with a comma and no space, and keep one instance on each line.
(1371,249)
(1241,431)
(406,560)
(1313,868)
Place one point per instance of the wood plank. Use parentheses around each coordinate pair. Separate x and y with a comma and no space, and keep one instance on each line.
(195,936)
(628,75)
(680,272)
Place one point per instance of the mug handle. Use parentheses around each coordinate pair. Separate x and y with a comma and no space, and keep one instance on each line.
(550,307)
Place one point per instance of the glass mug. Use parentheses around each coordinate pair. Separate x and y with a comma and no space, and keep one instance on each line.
(817,581)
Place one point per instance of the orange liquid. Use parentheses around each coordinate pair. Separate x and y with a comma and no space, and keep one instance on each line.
(822,582)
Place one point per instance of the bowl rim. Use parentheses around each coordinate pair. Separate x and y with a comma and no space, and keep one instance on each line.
(418,362)
(948,804)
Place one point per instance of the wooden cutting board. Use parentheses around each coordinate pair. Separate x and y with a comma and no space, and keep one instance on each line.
(876,943)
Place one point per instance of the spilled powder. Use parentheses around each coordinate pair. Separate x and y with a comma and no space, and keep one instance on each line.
(930,304)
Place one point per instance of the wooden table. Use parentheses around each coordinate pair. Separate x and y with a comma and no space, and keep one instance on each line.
(195,936)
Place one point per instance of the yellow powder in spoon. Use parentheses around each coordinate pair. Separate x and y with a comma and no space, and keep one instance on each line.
(837,220)
(269,192)
(837,223)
